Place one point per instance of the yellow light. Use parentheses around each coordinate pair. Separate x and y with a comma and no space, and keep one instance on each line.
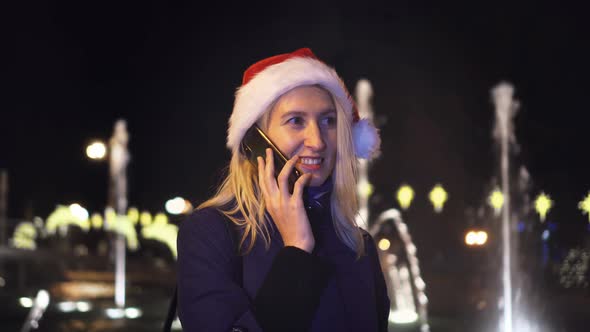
(109,216)
(496,200)
(145,219)
(585,206)
(543,204)
(160,218)
(163,232)
(122,225)
(405,195)
(365,189)
(64,216)
(384,244)
(97,150)
(96,220)
(133,215)
(24,236)
(438,196)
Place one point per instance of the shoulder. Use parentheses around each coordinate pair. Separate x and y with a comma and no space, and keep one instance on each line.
(207,218)
(204,225)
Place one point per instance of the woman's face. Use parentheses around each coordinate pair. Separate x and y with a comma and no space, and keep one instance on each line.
(303,123)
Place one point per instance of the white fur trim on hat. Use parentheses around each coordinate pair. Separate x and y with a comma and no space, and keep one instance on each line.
(366,139)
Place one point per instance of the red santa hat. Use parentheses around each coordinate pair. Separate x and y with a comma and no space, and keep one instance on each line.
(270,78)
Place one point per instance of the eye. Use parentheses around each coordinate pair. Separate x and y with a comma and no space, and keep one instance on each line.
(329,121)
(296,121)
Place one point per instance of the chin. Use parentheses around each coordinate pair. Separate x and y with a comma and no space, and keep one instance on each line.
(317,180)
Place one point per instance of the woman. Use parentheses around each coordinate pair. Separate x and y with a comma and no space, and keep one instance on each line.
(258,257)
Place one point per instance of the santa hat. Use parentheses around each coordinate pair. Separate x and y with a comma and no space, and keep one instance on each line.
(270,78)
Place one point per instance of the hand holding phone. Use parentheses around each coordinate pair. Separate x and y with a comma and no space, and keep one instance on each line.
(292,223)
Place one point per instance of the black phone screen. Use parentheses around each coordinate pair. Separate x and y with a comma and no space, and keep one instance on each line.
(255,143)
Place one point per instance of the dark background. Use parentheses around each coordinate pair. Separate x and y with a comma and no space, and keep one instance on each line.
(171,69)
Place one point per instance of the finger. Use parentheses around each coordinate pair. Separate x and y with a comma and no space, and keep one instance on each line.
(261,176)
(300,184)
(271,181)
(283,178)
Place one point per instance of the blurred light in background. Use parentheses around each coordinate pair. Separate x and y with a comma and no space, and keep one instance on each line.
(109,215)
(176,324)
(118,313)
(584,205)
(573,272)
(26,302)
(78,211)
(66,306)
(521,226)
(96,221)
(438,196)
(476,238)
(405,195)
(132,313)
(115,313)
(543,204)
(83,306)
(384,244)
(42,299)
(133,215)
(179,205)
(83,289)
(145,218)
(365,188)
(403,316)
(70,306)
(24,236)
(96,150)
(496,201)
(162,231)
(160,219)
(175,205)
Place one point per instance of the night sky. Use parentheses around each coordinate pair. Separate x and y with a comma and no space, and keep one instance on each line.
(171,71)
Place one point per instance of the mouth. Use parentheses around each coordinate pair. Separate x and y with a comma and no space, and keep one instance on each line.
(310,163)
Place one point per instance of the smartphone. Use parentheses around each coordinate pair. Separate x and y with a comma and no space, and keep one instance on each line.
(255,143)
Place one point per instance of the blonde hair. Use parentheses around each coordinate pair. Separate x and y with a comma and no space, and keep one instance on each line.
(240,199)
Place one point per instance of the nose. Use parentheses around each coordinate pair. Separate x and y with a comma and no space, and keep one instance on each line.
(313,137)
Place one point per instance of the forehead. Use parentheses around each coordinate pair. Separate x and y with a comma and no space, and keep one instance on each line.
(305,99)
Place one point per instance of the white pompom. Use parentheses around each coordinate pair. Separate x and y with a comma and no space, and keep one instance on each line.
(366,139)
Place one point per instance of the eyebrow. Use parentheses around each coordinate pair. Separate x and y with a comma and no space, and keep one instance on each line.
(301,113)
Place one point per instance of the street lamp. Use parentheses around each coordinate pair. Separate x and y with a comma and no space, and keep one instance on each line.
(476,238)
(178,205)
(96,150)
(438,196)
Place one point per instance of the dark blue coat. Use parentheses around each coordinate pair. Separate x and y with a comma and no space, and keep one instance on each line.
(279,288)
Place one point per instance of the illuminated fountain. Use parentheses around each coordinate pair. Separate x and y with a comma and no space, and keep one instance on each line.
(506,109)
(517,302)
(404,282)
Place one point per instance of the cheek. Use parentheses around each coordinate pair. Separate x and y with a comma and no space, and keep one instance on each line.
(286,143)
(333,143)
